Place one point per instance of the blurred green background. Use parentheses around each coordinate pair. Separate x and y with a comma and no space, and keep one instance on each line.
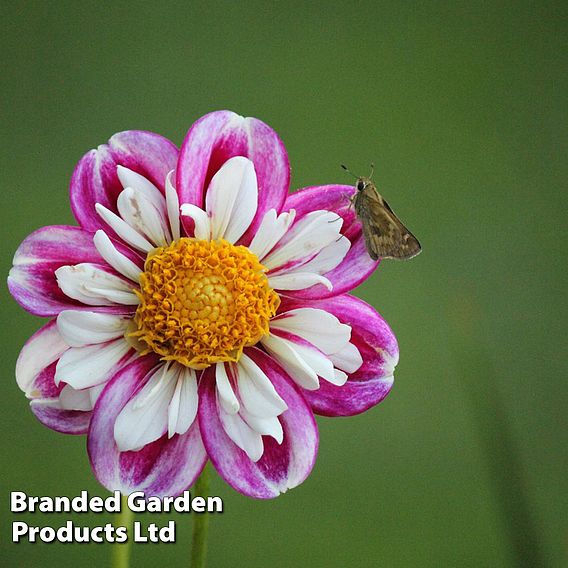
(463,108)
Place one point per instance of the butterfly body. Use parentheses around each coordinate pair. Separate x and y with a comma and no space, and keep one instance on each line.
(385,235)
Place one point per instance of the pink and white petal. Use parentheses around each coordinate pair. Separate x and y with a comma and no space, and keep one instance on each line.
(353,397)
(44,386)
(292,281)
(35,372)
(123,230)
(70,412)
(227,398)
(283,352)
(232,199)
(165,467)
(303,241)
(378,348)
(221,135)
(133,180)
(340,378)
(272,228)
(172,206)
(329,257)
(142,214)
(269,426)
(319,327)
(357,265)
(93,285)
(282,466)
(257,393)
(241,434)
(308,274)
(144,418)
(32,279)
(255,410)
(95,179)
(308,353)
(201,228)
(348,359)
(80,327)
(117,260)
(84,367)
(49,412)
(183,406)
(95,392)
(42,350)
(72,399)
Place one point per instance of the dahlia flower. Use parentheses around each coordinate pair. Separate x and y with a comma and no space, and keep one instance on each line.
(199,312)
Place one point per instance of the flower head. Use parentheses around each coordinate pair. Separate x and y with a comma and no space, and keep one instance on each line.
(199,311)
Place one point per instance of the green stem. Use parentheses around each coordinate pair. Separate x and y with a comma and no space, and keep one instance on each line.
(120,553)
(200,522)
(494,427)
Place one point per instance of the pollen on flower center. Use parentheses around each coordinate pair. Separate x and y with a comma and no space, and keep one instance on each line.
(202,302)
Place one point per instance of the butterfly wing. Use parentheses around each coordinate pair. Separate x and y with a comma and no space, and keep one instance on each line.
(385,235)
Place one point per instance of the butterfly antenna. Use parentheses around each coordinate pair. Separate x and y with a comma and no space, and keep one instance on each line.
(347,170)
(372,170)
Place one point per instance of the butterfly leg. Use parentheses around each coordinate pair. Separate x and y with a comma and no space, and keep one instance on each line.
(351,199)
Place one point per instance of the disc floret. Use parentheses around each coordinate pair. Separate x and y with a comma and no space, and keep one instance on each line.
(202,302)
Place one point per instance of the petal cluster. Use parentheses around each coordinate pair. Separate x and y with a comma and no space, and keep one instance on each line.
(153,418)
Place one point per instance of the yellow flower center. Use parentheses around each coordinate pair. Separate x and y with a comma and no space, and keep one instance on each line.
(202,302)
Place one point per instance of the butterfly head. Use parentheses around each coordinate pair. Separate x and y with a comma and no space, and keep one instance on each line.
(363,183)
